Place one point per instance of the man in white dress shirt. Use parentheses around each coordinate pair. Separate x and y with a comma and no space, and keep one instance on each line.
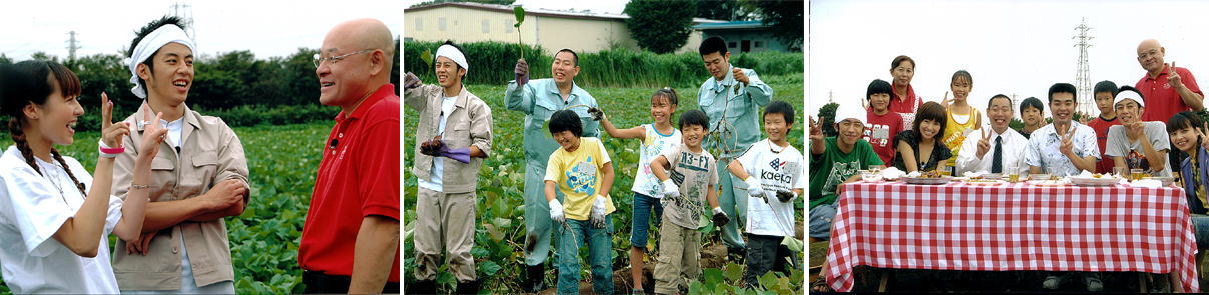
(999,150)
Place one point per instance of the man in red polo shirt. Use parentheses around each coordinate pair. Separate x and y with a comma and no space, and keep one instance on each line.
(350,243)
(1166,92)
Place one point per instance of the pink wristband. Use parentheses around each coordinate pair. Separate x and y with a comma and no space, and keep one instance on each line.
(112,151)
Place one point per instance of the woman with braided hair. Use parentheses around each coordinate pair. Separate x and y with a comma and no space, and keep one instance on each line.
(54,225)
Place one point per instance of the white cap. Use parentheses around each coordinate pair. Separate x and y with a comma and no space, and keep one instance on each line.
(850,109)
(1129,94)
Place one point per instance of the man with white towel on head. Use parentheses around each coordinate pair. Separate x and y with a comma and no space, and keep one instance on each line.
(452,138)
(199,176)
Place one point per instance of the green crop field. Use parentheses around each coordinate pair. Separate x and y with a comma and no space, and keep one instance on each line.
(500,228)
(282,161)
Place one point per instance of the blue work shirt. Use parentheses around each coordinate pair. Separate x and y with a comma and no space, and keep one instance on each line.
(539,99)
(742,110)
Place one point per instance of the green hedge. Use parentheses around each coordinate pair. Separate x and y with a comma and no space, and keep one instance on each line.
(249,115)
(493,62)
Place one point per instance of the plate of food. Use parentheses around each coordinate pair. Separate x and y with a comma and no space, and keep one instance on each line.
(930,178)
(1096,179)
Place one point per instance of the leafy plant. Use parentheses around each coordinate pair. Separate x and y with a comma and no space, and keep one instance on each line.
(500,229)
(618,67)
(282,162)
(520,18)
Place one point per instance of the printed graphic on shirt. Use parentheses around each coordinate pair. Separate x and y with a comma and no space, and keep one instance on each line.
(878,134)
(693,173)
(779,175)
(698,165)
(956,138)
(582,178)
(839,172)
(1136,160)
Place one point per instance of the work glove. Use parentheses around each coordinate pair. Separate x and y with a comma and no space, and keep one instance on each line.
(720,218)
(596,113)
(753,186)
(522,72)
(670,189)
(556,211)
(410,81)
(598,212)
(786,196)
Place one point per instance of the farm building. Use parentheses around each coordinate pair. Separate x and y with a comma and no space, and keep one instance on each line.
(743,36)
(551,29)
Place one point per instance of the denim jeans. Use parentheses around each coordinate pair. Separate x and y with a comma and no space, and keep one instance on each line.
(1200,230)
(821,218)
(643,205)
(600,255)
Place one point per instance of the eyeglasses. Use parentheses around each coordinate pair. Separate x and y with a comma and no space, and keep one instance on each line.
(335,59)
(1152,52)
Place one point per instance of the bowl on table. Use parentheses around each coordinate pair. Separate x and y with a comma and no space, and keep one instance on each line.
(871,176)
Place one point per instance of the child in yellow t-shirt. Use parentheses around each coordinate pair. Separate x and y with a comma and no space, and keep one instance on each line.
(582,171)
(962,117)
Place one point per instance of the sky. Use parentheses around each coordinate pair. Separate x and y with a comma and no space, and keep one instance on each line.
(267,28)
(1011,47)
(600,6)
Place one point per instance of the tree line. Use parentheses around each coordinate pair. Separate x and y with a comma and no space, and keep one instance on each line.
(239,87)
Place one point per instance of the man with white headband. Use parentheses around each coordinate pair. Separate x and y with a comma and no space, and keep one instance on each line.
(350,242)
(453,137)
(203,176)
(539,99)
(1136,144)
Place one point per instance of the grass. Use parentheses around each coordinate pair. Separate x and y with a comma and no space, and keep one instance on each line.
(492,63)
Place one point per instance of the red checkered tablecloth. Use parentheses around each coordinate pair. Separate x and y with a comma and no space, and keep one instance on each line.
(1011,227)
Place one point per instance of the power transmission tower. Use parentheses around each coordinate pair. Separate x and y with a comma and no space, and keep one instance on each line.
(1085,96)
(185,12)
(72,45)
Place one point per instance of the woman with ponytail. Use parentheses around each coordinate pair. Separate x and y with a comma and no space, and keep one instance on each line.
(54,216)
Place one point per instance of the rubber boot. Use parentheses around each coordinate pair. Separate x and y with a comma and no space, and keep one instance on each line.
(423,287)
(468,287)
(534,278)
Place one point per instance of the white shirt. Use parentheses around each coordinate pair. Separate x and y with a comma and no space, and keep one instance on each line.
(1014,146)
(32,209)
(777,169)
(653,145)
(434,182)
(1043,149)
(174,131)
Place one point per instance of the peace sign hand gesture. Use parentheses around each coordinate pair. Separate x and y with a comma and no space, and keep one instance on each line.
(1173,77)
(946,101)
(1067,147)
(816,131)
(984,144)
(111,134)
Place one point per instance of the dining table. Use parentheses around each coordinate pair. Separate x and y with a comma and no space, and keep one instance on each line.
(1012,226)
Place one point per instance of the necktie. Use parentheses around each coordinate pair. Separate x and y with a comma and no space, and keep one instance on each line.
(997,159)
